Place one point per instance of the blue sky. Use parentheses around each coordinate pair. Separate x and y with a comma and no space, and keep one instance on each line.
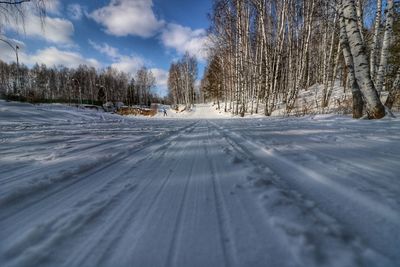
(125,34)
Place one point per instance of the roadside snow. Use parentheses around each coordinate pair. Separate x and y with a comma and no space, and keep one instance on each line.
(83,188)
(199,111)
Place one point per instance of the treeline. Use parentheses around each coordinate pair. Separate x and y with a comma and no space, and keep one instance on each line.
(61,84)
(81,85)
(181,81)
(265,51)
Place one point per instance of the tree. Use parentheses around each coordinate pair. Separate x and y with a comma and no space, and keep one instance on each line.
(374,107)
(41,83)
(393,84)
(212,85)
(12,11)
(374,48)
(358,102)
(144,82)
(181,80)
(385,46)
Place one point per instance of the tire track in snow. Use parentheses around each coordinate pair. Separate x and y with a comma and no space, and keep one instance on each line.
(155,164)
(149,181)
(36,245)
(7,151)
(250,233)
(274,153)
(285,198)
(284,168)
(131,217)
(144,205)
(28,190)
(88,150)
(173,219)
(223,219)
(124,211)
(178,223)
(344,169)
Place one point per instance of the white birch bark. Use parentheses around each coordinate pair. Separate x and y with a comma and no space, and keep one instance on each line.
(385,46)
(374,47)
(394,92)
(375,109)
(328,93)
(360,17)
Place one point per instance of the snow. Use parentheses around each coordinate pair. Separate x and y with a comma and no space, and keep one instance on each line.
(199,111)
(85,188)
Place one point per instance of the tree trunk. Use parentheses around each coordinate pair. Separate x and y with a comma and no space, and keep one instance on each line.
(374,48)
(385,46)
(375,109)
(358,102)
(360,17)
(394,92)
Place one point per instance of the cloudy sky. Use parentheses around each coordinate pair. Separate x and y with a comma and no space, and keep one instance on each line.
(125,34)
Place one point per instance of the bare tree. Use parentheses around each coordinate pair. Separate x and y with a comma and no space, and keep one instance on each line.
(13,11)
(181,80)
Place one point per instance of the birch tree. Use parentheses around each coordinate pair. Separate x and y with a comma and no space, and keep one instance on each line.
(394,66)
(181,80)
(358,102)
(270,50)
(374,47)
(385,46)
(374,107)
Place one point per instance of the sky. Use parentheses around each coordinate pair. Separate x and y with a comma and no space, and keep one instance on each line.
(124,34)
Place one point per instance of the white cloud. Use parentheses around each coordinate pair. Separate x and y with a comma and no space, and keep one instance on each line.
(52,56)
(106,49)
(129,64)
(161,80)
(76,11)
(161,76)
(184,39)
(128,17)
(53,7)
(55,30)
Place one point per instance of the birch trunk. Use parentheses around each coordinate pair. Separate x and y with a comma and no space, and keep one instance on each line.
(394,92)
(385,46)
(358,102)
(374,47)
(360,17)
(375,109)
(327,75)
(328,94)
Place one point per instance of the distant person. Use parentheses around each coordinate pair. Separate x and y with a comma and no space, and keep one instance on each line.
(165,112)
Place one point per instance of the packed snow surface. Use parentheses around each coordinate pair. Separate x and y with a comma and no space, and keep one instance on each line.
(84,188)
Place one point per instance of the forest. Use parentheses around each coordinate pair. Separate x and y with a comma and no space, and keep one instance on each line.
(82,85)
(265,51)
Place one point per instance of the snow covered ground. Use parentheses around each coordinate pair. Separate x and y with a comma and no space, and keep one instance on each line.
(199,111)
(81,188)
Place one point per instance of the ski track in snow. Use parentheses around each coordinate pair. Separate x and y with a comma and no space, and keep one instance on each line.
(82,188)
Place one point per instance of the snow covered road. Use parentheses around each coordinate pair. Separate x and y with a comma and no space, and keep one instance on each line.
(81,188)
